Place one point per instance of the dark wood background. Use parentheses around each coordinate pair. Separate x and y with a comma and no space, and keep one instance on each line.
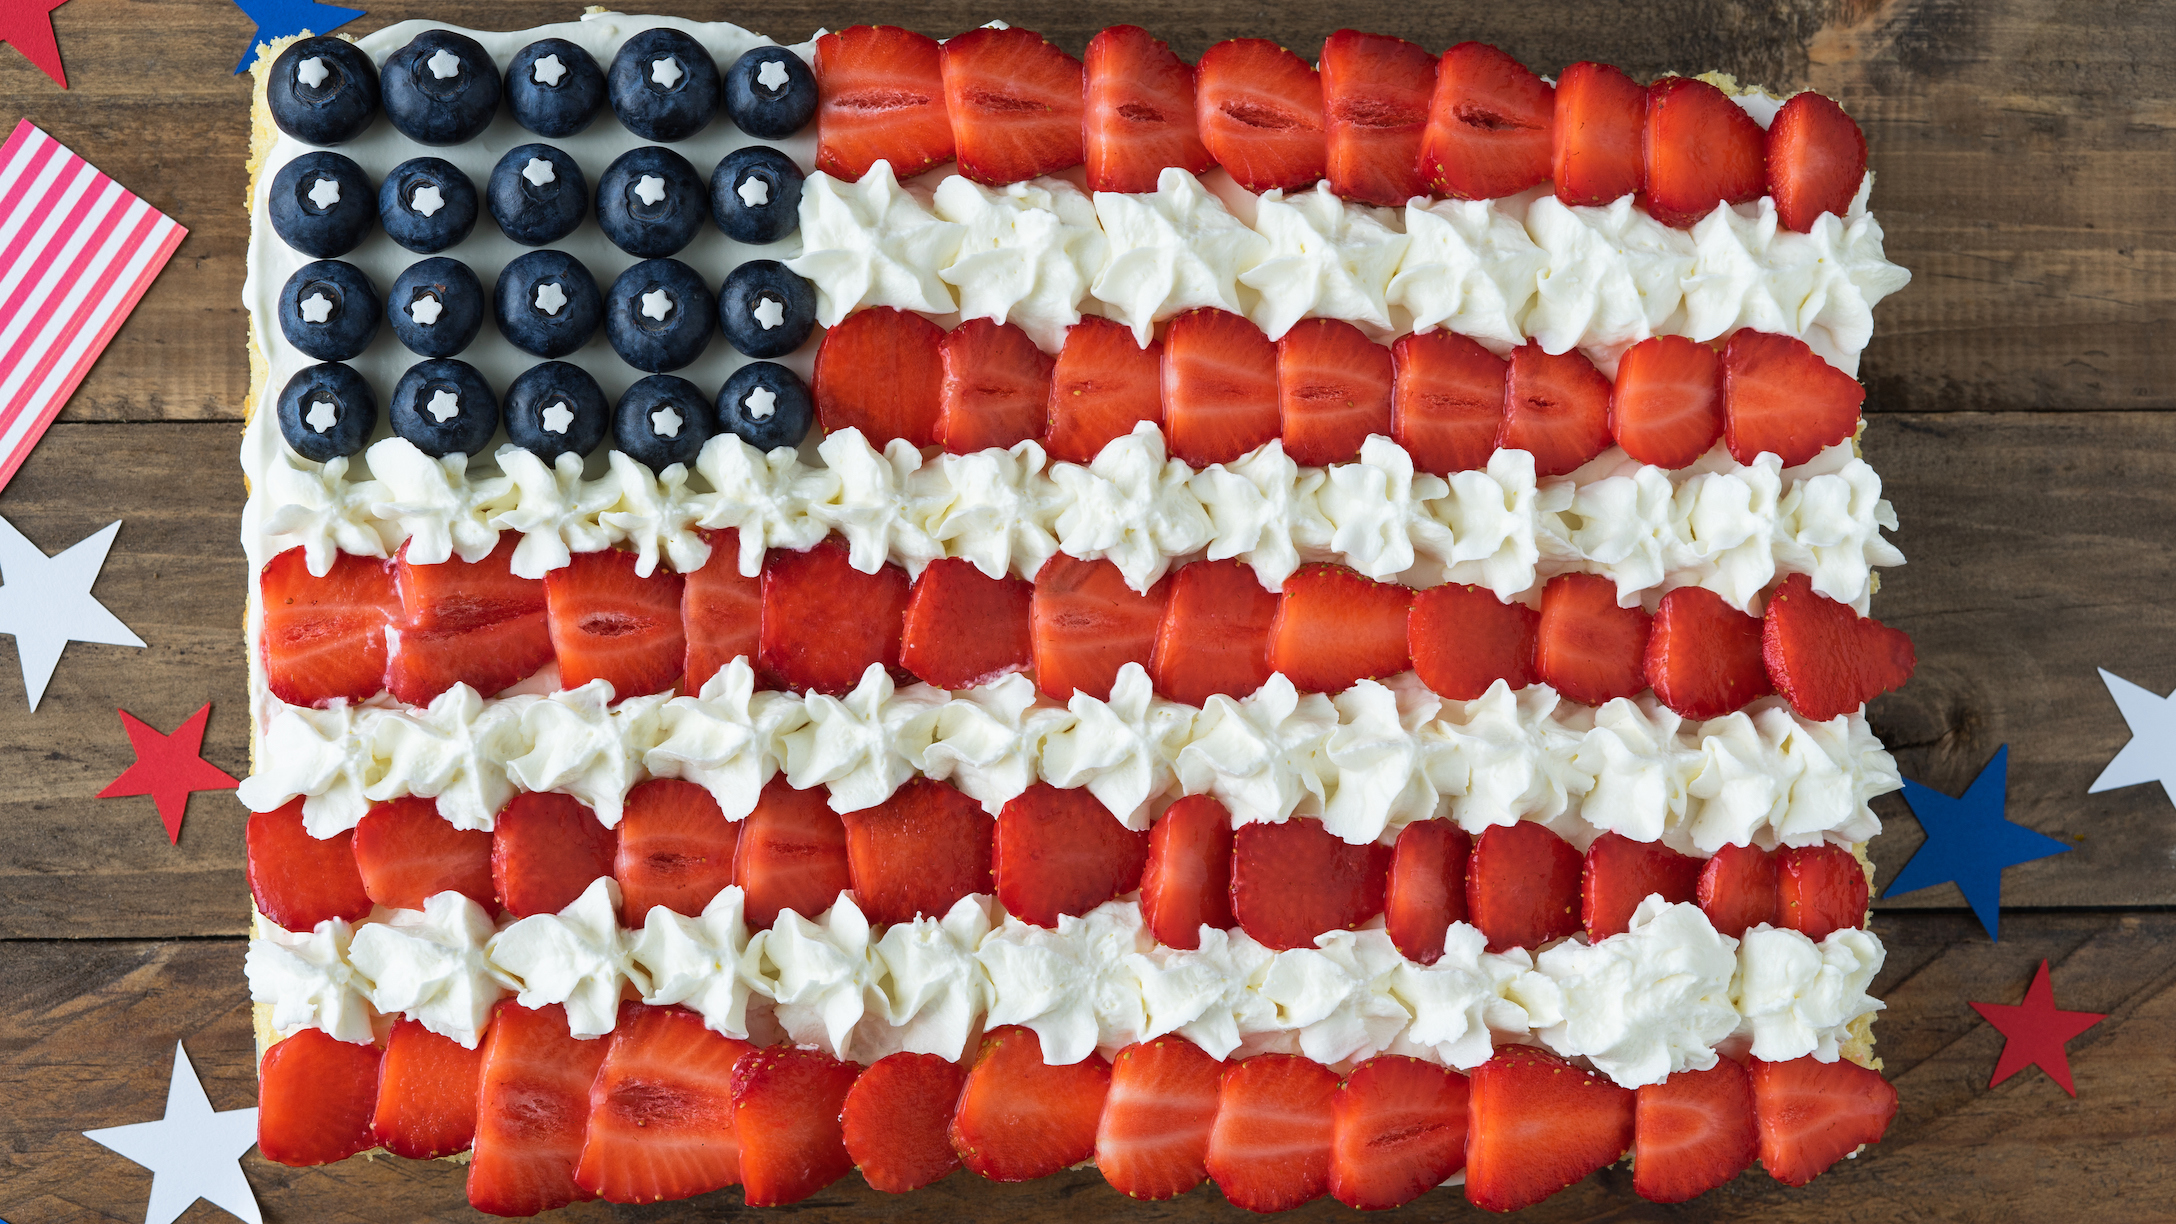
(2019,388)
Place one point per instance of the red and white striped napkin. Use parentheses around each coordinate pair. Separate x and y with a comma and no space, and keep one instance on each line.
(76,251)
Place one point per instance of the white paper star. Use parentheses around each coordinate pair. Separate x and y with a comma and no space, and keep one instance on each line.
(323,416)
(558,417)
(650,188)
(550,297)
(538,171)
(656,304)
(2151,754)
(316,308)
(46,602)
(443,406)
(666,422)
(665,71)
(426,309)
(427,200)
(761,403)
(193,1153)
(548,70)
(754,192)
(772,75)
(444,64)
(325,193)
(770,312)
(312,71)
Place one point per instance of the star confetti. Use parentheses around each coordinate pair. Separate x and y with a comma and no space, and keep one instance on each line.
(169,768)
(282,18)
(46,602)
(1969,842)
(192,1152)
(27,26)
(2150,756)
(2035,1031)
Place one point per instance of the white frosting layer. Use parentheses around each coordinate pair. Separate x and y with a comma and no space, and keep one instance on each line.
(1027,256)
(873,243)
(1651,1001)
(1798,997)
(306,977)
(429,966)
(579,957)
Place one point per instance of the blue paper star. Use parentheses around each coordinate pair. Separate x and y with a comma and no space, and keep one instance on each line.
(281,18)
(1969,842)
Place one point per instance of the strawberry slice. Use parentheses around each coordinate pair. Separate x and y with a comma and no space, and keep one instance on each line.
(1701,149)
(1220,386)
(1269,1149)
(1555,406)
(1015,100)
(324,638)
(1333,390)
(825,622)
(1295,880)
(660,1120)
(1600,124)
(721,611)
(1539,1124)
(880,97)
(1693,1132)
(1812,1114)
(1139,116)
(426,1094)
(1215,633)
(1780,396)
(1376,92)
(1101,385)
(1490,125)
(792,854)
(1667,405)
(879,371)
(1464,639)
(896,1118)
(1260,111)
(1819,890)
(460,623)
(1187,881)
(297,880)
(1446,401)
(1737,889)
(1060,852)
(1088,624)
(1018,1118)
(1426,892)
(917,853)
(545,850)
(676,849)
(1522,886)
(1587,647)
(786,1107)
(996,385)
(1816,158)
(963,628)
(610,623)
(1619,873)
(1153,1139)
(1826,659)
(1397,1131)
(315,1098)
(1336,628)
(407,853)
(532,1111)
(1704,656)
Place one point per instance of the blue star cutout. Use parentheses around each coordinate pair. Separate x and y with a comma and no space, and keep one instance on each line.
(1969,842)
(281,18)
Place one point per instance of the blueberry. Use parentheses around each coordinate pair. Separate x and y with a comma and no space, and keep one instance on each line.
(664,85)
(659,315)
(755,195)
(427,204)
(547,303)
(538,194)
(555,409)
(436,307)
(321,205)
(770,93)
(441,89)
(329,310)
(663,420)
(323,91)
(766,310)
(650,202)
(327,411)
(554,88)
(766,405)
(445,408)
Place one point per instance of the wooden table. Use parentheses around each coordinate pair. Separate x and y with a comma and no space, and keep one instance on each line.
(2019,394)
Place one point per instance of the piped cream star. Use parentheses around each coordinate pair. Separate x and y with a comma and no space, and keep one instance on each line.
(325,193)
(770,312)
(548,70)
(539,171)
(550,297)
(2151,754)
(666,422)
(772,75)
(312,71)
(656,304)
(666,71)
(761,403)
(650,189)
(427,200)
(316,308)
(193,1152)
(444,64)
(557,417)
(754,192)
(444,405)
(323,416)
(46,602)
(426,309)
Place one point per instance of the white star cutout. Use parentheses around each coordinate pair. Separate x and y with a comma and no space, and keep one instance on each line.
(2151,754)
(548,70)
(656,304)
(426,309)
(192,1152)
(46,602)
(649,189)
(312,71)
(444,405)
(324,193)
(666,422)
(558,417)
(316,308)
(754,193)
(550,297)
(444,64)
(427,200)
(538,171)
(772,75)
(761,403)
(666,71)
(770,312)
(323,416)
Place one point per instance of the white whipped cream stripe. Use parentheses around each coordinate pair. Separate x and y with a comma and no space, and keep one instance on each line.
(1656,999)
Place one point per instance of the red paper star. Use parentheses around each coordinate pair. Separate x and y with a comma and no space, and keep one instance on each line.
(2036,1031)
(27,25)
(168,768)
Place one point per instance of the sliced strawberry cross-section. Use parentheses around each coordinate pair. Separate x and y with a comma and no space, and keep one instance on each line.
(1826,659)
(1693,1132)
(917,853)
(1599,125)
(461,623)
(896,1121)
(1522,886)
(1816,159)
(996,385)
(1139,116)
(792,854)
(880,97)
(825,622)
(1446,401)
(1737,889)
(1215,633)
(1295,880)
(1702,150)
(1187,881)
(1557,407)
(1088,624)
(786,1105)
(1376,92)
(1464,639)
(1781,396)
(1666,407)
(676,849)
(721,611)
(1153,1137)
(880,371)
(408,853)
(1101,385)
(1812,1114)
(1819,890)
(298,880)
(1260,111)
(1269,1149)
(660,1121)
(1020,1118)
(1397,1131)
(426,1094)
(324,638)
(1490,125)
(1061,852)
(545,850)
(532,1111)
(1336,628)
(963,628)
(315,1098)
(1704,656)
(1220,386)
(1539,1124)
(1426,892)
(1015,101)
(1586,647)
(1333,390)
(610,623)
(1619,873)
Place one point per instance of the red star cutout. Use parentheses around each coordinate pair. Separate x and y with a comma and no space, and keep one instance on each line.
(2036,1031)
(168,768)
(27,25)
